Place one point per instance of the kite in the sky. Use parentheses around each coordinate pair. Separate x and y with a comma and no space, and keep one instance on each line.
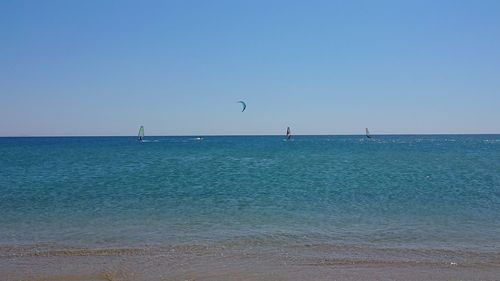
(244,105)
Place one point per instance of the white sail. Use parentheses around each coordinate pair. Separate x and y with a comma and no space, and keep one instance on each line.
(140,136)
(288,133)
(367,133)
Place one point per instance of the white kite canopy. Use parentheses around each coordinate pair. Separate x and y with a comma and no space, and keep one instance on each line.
(140,136)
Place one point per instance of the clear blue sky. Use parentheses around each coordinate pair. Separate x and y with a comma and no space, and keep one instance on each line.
(179,67)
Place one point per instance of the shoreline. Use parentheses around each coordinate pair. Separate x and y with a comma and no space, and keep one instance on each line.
(230,262)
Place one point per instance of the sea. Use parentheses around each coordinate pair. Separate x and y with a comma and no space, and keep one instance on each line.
(313,199)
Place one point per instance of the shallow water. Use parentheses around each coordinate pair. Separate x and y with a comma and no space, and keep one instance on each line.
(390,192)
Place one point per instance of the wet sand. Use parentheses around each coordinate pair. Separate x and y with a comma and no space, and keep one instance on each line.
(222,262)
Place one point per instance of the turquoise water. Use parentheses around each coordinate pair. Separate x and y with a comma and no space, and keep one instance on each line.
(390,191)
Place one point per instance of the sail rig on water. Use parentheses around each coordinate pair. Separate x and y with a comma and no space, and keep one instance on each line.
(368,133)
(140,136)
(288,133)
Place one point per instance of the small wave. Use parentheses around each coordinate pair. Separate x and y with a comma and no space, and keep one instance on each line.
(293,253)
(54,251)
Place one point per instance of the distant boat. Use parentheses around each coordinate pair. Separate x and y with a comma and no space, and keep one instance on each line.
(368,133)
(288,133)
(140,137)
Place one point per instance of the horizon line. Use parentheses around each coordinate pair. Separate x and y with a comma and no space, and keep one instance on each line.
(251,135)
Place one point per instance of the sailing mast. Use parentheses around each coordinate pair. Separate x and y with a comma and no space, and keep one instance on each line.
(368,133)
(288,133)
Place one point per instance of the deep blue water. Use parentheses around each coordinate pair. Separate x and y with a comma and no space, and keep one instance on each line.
(412,191)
